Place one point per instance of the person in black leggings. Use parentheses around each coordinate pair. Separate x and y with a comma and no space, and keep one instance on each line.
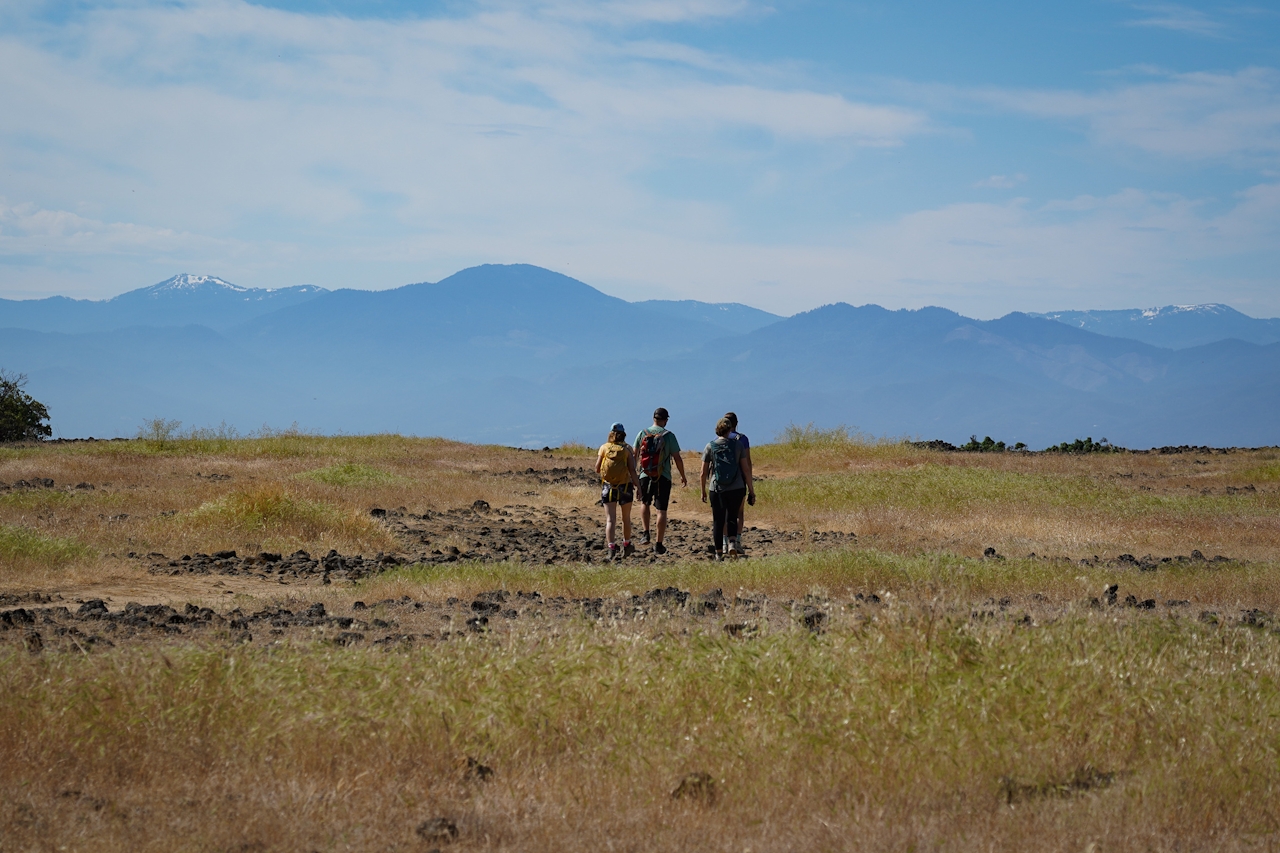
(725,465)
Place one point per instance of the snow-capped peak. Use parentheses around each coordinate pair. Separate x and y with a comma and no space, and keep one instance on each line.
(1207,308)
(188,282)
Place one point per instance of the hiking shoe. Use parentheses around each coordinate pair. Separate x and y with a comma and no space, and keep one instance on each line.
(613,553)
(738,540)
(644,538)
(628,549)
(717,556)
(659,548)
(733,550)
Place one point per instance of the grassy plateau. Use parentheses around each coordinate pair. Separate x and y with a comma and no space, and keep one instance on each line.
(959,674)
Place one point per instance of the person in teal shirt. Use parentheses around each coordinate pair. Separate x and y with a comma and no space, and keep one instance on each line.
(657,448)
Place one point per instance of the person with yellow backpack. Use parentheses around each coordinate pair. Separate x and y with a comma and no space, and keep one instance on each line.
(616,465)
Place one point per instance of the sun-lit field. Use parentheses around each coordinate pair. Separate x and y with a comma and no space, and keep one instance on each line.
(895,690)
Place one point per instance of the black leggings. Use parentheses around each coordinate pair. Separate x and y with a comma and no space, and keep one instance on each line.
(724,513)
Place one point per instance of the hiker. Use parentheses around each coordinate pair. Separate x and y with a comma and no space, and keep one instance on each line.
(725,464)
(748,470)
(616,465)
(656,447)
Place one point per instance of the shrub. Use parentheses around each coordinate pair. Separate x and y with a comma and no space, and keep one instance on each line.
(811,436)
(21,416)
(1086,446)
(984,446)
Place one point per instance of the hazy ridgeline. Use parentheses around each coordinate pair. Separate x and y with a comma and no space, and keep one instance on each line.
(941,700)
(525,356)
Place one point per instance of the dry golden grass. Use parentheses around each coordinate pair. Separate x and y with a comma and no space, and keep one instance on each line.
(937,720)
(912,727)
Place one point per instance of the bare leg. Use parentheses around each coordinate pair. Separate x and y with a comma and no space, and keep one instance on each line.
(662,522)
(610,521)
(626,522)
(644,517)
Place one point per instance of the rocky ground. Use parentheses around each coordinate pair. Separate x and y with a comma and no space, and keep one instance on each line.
(526,534)
(42,623)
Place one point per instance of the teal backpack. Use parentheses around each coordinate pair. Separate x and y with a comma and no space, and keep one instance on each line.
(724,462)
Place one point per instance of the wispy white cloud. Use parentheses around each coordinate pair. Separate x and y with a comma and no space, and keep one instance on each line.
(1173,16)
(223,118)
(1192,116)
(631,11)
(276,148)
(1000,182)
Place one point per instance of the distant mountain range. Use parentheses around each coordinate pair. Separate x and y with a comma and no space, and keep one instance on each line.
(523,355)
(1173,326)
(179,301)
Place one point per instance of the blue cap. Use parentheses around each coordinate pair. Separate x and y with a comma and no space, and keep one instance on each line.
(617,428)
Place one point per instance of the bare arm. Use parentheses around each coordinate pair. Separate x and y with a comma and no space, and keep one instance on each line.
(631,466)
(679,460)
(599,459)
(706,471)
(745,463)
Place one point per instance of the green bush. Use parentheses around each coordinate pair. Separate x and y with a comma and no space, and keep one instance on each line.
(1086,446)
(22,417)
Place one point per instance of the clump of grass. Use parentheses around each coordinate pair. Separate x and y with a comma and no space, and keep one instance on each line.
(350,474)
(271,514)
(575,448)
(25,547)
(811,448)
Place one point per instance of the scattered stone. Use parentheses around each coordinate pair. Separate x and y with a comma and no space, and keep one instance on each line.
(697,787)
(1083,779)
(477,771)
(438,830)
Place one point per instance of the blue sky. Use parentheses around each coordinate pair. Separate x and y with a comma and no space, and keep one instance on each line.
(986,157)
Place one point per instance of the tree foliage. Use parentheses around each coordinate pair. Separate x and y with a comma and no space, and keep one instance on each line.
(1086,446)
(22,417)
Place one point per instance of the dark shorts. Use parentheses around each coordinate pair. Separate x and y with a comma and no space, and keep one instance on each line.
(656,491)
(623,494)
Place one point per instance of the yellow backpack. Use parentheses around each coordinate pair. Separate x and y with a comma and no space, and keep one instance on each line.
(615,470)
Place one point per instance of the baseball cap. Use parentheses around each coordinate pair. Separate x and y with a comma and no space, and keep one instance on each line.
(660,414)
(617,428)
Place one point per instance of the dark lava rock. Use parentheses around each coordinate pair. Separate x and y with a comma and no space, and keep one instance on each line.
(224,555)
(479,772)
(480,506)
(437,830)
(698,787)
(93,608)
(815,620)
(16,617)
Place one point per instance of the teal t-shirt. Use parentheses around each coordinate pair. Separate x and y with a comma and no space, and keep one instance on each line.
(673,447)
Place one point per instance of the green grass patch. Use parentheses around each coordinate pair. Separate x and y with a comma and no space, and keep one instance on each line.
(1268,473)
(808,447)
(841,573)
(38,499)
(956,488)
(351,474)
(19,544)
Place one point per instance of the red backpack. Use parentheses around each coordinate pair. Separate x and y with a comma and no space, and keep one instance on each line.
(652,447)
